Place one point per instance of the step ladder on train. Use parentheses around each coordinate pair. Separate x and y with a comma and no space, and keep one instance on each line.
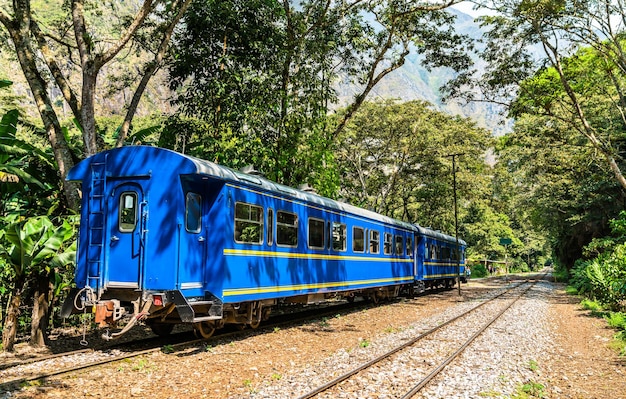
(96,222)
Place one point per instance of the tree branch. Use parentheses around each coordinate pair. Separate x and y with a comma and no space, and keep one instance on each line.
(149,72)
(59,78)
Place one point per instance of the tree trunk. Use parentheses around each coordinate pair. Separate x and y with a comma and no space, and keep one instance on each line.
(9,330)
(41,311)
(88,112)
(19,30)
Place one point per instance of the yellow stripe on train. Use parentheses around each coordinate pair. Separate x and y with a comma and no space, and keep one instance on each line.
(298,287)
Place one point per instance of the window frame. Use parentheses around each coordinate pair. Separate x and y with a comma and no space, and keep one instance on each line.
(250,221)
(270,226)
(343,236)
(398,245)
(321,222)
(354,239)
(375,241)
(288,226)
(122,207)
(388,244)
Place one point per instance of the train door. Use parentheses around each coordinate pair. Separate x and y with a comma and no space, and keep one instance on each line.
(192,246)
(126,218)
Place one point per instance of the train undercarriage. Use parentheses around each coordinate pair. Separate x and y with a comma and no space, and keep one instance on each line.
(161,311)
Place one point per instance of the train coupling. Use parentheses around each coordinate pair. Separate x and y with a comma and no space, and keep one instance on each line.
(108,312)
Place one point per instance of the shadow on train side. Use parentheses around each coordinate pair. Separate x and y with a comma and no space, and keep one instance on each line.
(161,241)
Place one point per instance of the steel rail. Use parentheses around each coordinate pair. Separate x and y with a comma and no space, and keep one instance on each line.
(305,316)
(419,386)
(386,355)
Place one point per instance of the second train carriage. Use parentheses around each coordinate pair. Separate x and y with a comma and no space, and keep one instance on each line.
(174,239)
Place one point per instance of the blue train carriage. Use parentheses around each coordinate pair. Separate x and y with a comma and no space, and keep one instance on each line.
(167,238)
(437,259)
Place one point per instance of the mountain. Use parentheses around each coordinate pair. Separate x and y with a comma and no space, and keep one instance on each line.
(414,82)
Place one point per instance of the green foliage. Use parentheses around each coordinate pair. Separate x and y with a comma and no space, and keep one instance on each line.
(27,173)
(264,73)
(479,271)
(616,320)
(393,159)
(603,278)
(36,243)
(528,390)
(592,305)
(30,249)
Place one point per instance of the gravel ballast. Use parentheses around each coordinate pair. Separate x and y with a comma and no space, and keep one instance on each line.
(543,345)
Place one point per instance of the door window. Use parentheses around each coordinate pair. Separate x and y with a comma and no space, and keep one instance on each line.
(128,212)
(193,212)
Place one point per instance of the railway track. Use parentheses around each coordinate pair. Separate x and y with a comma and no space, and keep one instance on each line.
(366,378)
(13,374)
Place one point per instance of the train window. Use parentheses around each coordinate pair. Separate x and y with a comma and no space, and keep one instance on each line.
(399,245)
(409,246)
(374,242)
(446,253)
(128,212)
(388,244)
(286,228)
(316,233)
(339,236)
(248,223)
(433,252)
(270,226)
(358,239)
(193,212)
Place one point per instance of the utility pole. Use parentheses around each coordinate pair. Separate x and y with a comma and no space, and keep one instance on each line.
(456,219)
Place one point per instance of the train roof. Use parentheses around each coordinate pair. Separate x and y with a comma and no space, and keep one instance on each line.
(155,158)
(437,234)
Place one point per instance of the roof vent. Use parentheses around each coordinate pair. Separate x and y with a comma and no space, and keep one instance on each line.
(307,188)
(251,170)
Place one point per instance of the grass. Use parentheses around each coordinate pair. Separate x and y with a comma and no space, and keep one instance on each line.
(615,320)
(489,394)
(364,343)
(529,390)
(595,308)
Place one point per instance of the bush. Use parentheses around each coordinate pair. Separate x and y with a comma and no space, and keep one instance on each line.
(616,320)
(479,271)
(603,278)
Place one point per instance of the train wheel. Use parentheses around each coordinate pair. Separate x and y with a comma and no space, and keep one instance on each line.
(255,314)
(255,324)
(161,329)
(204,329)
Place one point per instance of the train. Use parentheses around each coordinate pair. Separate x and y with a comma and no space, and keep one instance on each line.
(166,238)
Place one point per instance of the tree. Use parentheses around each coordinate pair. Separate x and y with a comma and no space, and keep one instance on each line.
(264,71)
(561,189)
(74,36)
(393,159)
(530,35)
(32,247)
